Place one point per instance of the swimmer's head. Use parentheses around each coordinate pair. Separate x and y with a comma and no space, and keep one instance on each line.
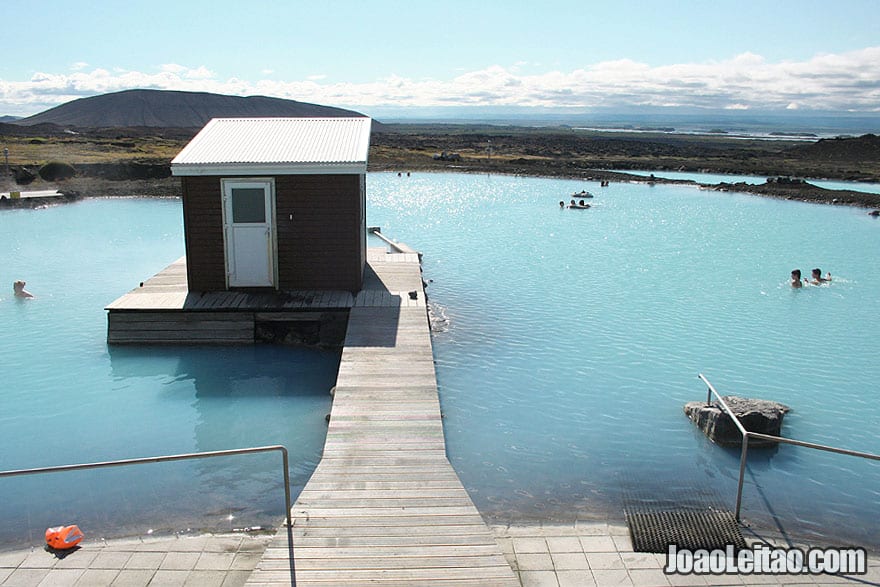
(796,274)
(18,285)
(817,273)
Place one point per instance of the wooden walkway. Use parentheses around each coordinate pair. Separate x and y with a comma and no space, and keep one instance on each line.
(162,310)
(384,506)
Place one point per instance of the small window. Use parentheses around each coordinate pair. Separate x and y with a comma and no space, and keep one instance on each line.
(248,205)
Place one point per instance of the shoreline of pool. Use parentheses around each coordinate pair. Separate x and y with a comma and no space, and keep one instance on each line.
(809,193)
(539,525)
(580,553)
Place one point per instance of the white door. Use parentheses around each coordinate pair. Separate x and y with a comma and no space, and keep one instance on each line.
(248,214)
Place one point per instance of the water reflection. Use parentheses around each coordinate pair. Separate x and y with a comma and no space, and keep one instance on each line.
(186,399)
(573,342)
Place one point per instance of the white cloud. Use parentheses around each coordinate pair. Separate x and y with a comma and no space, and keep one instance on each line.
(172,68)
(844,82)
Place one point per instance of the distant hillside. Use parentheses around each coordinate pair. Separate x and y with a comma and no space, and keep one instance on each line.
(863,148)
(36,130)
(9,118)
(169,109)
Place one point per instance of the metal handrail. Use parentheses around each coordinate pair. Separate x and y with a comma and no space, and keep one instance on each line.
(182,457)
(769,437)
(399,247)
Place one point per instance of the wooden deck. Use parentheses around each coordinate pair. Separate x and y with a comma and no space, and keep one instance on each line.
(384,506)
(162,310)
(34,199)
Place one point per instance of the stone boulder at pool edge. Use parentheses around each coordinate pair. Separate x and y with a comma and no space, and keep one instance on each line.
(756,415)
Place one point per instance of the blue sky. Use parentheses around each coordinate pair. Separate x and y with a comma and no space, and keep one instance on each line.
(391,55)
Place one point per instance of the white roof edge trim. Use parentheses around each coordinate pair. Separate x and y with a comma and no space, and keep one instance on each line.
(218,170)
(366,135)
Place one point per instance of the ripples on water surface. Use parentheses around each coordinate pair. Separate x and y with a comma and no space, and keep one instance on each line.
(66,398)
(576,336)
(573,339)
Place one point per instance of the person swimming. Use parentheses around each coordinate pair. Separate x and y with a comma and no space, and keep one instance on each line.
(20,291)
(817,278)
(796,278)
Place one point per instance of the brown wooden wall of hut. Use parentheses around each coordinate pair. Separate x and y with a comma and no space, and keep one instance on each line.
(323,247)
(203,230)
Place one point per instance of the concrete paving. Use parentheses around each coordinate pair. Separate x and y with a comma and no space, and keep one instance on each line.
(581,554)
(586,554)
(207,560)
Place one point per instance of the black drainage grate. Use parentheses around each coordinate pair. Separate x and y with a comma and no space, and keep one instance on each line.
(655,531)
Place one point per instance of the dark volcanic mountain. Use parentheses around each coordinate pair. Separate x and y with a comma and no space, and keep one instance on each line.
(169,109)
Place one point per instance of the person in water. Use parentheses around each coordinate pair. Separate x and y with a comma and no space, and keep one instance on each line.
(817,277)
(20,291)
(796,278)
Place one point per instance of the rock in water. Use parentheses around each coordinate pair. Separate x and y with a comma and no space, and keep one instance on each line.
(756,415)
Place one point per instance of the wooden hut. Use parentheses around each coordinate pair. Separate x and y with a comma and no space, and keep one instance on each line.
(275,204)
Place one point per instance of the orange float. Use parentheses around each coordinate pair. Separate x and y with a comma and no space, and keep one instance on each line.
(63,537)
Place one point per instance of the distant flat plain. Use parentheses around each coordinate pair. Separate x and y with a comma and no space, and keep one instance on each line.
(104,157)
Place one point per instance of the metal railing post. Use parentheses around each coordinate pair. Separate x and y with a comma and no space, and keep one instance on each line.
(778,439)
(182,457)
(287,504)
(744,455)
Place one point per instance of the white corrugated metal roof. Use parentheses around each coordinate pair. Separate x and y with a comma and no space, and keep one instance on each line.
(250,146)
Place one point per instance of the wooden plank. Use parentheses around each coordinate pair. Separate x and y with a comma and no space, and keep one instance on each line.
(501,575)
(368,494)
(363,533)
(339,449)
(391,484)
(279,578)
(176,338)
(126,327)
(364,542)
(185,327)
(384,505)
(389,561)
(377,503)
(287,316)
(356,405)
(397,513)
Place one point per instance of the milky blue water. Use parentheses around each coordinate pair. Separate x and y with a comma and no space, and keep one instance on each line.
(572,339)
(575,337)
(68,398)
